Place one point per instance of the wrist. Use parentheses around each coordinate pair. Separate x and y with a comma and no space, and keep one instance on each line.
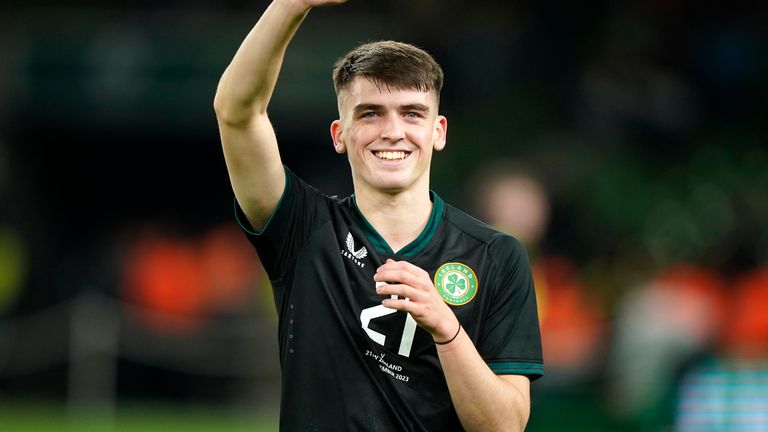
(447,337)
(295,7)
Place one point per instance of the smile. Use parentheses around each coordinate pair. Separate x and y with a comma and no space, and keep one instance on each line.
(392,155)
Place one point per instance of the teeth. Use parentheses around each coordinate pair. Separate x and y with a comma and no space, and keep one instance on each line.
(391,155)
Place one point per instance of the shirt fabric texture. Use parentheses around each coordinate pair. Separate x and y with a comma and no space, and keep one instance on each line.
(348,363)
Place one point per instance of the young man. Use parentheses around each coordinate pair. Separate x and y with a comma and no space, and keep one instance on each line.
(396,311)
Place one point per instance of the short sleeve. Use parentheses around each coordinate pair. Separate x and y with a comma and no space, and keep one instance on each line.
(295,217)
(510,341)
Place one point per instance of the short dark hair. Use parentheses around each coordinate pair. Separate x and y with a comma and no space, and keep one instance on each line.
(390,64)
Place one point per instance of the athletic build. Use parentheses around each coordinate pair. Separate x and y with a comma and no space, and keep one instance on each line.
(397,311)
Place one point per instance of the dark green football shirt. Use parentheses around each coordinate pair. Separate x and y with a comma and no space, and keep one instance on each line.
(350,364)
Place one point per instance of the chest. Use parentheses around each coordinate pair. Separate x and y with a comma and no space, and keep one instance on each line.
(335,291)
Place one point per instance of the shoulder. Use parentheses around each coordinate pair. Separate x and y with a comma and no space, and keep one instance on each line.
(504,256)
(499,243)
(296,184)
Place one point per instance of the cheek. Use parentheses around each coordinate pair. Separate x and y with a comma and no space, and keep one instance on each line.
(425,140)
(365,133)
(352,142)
(422,133)
(359,138)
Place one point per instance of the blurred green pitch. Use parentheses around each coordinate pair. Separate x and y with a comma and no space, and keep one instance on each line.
(45,417)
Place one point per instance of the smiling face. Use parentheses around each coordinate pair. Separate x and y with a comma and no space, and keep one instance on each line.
(389,135)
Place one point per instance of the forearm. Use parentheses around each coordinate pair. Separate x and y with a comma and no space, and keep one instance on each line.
(483,400)
(247,84)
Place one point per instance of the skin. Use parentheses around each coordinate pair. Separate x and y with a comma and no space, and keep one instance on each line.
(393,195)
(483,400)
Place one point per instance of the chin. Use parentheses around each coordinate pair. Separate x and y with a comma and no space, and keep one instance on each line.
(390,185)
(390,182)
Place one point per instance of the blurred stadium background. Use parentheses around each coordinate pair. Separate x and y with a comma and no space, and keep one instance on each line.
(624,142)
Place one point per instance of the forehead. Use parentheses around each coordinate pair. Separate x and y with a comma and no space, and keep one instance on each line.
(362,90)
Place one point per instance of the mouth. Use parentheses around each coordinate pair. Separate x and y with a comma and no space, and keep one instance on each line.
(392,155)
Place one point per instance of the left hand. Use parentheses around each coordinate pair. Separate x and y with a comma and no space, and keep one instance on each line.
(421,298)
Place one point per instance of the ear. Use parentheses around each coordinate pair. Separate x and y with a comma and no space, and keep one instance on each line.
(441,132)
(336,132)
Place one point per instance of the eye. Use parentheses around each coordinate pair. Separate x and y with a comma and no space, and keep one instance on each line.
(369,114)
(413,115)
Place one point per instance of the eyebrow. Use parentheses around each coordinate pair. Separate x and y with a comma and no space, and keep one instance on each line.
(415,107)
(367,107)
(377,107)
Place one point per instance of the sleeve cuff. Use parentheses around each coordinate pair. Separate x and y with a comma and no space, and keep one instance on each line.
(533,370)
(242,220)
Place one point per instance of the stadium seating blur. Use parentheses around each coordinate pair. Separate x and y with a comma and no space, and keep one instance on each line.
(624,144)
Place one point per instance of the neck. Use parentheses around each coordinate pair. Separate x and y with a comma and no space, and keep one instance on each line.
(398,217)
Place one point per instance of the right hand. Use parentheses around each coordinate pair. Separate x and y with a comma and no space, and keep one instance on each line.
(314,3)
(308,4)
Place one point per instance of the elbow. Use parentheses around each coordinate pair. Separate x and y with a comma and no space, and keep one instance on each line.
(233,112)
(512,418)
(513,425)
(218,105)
(220,99)
(228,110)
(501,424)
(223,108)
(518,416)
(519,421)
(237,105)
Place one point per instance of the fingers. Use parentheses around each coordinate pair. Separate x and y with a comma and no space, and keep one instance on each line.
(413,292)
(405,298)
(401,271)
(399,290)
(404,305)
(315,3)
(402,277)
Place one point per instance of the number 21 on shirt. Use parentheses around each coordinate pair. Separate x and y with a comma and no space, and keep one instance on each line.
(409,330)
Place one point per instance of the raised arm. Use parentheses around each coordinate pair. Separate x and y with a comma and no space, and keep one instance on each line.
(242,97)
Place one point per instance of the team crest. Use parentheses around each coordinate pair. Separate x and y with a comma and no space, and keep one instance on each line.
(456,283)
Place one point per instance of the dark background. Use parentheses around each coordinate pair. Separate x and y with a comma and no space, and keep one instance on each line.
(643,119)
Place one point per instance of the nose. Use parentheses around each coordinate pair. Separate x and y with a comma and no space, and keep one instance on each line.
(392,129)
